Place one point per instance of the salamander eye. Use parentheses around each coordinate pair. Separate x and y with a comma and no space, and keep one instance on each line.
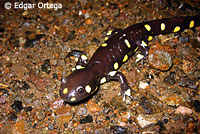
(80,89)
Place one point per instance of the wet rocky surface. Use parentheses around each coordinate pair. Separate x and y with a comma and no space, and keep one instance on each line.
(34,47)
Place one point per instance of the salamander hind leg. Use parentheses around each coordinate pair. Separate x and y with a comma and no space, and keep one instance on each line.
(125,89)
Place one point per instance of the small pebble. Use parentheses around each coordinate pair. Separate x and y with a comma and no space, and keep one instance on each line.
(25,86)
(198,36)
(183,110)
(82,111)
(34,125)
(71,36)
(142,121)
(118,130)
(159,57)
(55,76)
(87,119)
(86,16)
(170,79)
(32,39)
(50,126)
(150,105)
(26,24)
(17,106)
(4,91)
(165,121)
(2,100)
(187,82)
(143,85)
(88,21)
(46,67)
(27,109)
(183,39)
(2,30)
(95,40)
(13,117)
(196,105)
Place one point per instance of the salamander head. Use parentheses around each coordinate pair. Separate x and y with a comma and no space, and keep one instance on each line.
(78,85)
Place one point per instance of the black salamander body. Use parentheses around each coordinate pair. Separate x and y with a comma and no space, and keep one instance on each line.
(109,57)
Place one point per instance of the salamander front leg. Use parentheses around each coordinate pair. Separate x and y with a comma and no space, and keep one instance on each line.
(142,45)
(125,89)
(80,58)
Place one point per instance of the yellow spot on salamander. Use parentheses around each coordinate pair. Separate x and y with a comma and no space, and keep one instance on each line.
(103,80)
(116,65)
(79,67)
(144,44)
(83,57)
(112,73)
(125,58)
(136,49)
(73,69)
(191,24)
(176,29)
(109,32)
(106,38)
(150,38)
(73,99)
(88,88)
(65,91)
(162,26)
(139,57)
(127,43)
(148,27)
(104,44)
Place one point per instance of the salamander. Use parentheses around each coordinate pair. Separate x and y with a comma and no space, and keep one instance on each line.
(115,51)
